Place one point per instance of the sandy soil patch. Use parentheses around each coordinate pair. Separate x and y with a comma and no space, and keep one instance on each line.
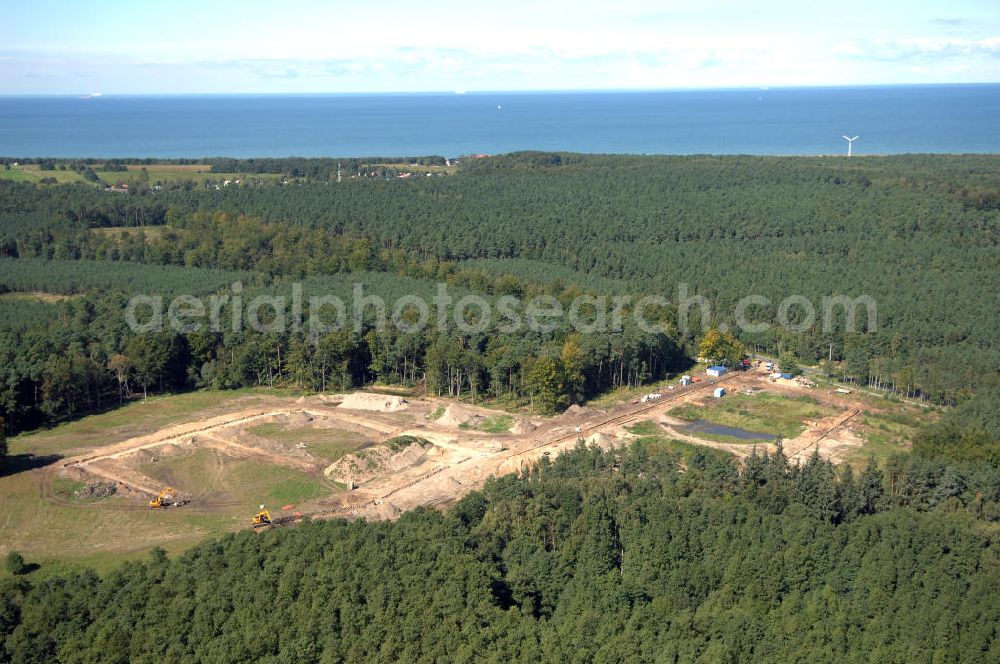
(380,403)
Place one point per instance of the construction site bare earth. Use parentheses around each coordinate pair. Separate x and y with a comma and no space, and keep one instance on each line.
(373,456)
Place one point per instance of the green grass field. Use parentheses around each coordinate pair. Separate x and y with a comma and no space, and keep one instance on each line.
(94,532)
(213,477)
(495,424)
(69,532)
(32,173)
(158,173)
(645,428)
(763,413)
(328,444)
(400,443)
(18,174)
(888,424)
(891,429)
(136,418)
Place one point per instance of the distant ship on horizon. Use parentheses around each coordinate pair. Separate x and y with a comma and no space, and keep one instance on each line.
(92,95)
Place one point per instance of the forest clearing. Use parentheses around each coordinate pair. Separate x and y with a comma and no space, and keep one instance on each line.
(358,455)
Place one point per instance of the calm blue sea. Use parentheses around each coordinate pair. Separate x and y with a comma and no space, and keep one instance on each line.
(805,121)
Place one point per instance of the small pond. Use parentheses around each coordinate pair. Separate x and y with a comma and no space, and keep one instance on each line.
(711,428)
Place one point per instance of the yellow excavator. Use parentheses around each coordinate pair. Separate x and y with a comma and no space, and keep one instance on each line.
(164,495)
(261,518)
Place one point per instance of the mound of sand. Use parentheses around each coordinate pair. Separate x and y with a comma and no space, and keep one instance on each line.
(455,415)
(601,440)
(170,449)
(387,511)
(381,403)
(521,425)
(75,473)
(576,411)
(144,456)
(373,462)
(493,446)
(299,418)
(512,466)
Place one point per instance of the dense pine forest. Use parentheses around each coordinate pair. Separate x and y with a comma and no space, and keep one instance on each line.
(643,554)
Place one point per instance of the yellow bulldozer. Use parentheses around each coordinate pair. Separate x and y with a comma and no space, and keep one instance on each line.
(162,499)
(261,518)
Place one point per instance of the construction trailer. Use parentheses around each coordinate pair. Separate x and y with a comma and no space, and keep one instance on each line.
(716,371)
(719,392)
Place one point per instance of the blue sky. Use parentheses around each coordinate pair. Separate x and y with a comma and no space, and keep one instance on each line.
(384,46)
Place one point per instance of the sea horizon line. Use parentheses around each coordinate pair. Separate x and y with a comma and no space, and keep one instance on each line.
(475,92)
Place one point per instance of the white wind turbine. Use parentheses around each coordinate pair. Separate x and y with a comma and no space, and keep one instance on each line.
(850,143)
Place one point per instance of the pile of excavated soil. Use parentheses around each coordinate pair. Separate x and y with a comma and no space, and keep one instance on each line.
(455,415)
(521,425)
(576,411)
(144,456)
(495,446)
(74,473)
(487,445)
(381,403)
(97,490)
(170,449)
(299,418)
(513,466)
(373,462)
(437,490)
(388,511)
(602,440)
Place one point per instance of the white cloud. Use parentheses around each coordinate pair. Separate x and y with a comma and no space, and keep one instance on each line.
(919,48)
